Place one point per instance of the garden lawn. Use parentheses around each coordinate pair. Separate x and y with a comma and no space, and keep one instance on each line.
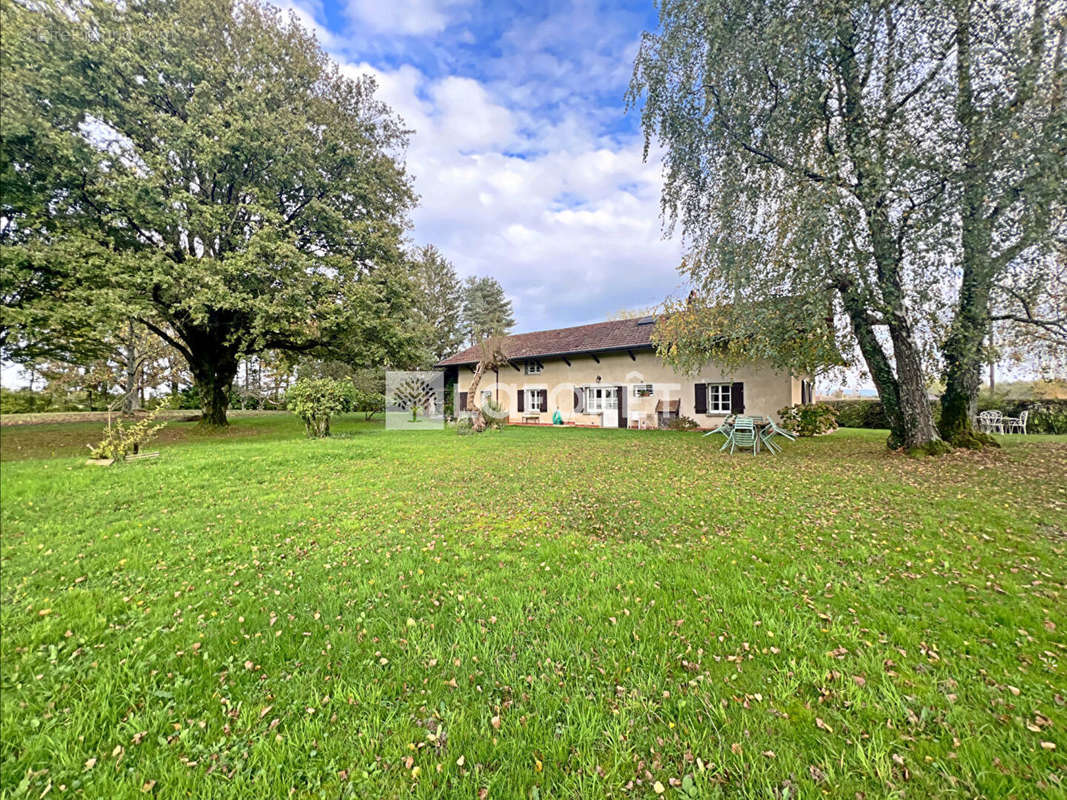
(533,613)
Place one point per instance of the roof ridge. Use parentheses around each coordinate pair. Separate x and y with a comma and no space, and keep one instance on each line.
(607,335)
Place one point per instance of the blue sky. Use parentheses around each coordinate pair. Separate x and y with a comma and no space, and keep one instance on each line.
(527,166)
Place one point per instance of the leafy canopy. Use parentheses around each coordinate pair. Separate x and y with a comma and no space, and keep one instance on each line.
(209,171)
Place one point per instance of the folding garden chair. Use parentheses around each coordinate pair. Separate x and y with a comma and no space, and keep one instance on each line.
(771,430)
(744,435)
(724,428)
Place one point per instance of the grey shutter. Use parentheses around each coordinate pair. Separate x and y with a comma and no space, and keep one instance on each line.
(544,399)
(462,401)
(624,419)
(700,401)
(520,402)
(737,398)
(579,401)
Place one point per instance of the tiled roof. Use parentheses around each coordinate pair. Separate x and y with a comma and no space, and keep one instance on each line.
(622,334)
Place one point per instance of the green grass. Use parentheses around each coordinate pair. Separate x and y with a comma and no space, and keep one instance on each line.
(531,613)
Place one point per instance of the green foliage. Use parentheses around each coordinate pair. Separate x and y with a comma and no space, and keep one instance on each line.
(22,401)
(487,311)
(316,400)
(1046,416)
(255,529)
(237,192)
(368,403)
(809,420)
(121,440)
(496,416)
(794,333)
(859,413)
(438,303)
(682,424)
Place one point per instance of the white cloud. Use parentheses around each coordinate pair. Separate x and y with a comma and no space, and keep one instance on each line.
(567,219)
(405,17)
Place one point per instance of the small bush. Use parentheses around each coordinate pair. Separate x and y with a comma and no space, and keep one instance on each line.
(682,424)
(496,416)
(809,420)
(315,400)
(368,403)
(120,441)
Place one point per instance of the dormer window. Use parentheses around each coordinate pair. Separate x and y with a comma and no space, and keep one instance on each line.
(534,367)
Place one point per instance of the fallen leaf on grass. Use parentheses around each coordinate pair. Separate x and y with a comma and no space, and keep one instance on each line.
(822,725)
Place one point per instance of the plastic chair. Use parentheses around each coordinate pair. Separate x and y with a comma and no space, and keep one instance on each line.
(744,435)
(770,431)
(724,428)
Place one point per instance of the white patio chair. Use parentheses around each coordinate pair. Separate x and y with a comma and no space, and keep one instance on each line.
(1015,424)
(991,422)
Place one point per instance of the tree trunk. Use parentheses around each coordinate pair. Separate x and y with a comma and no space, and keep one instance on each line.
(916,416)
(129,399)
(916,430)
(214,374)
(963,349)
(881,371)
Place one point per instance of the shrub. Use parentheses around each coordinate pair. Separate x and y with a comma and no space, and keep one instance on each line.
(120,441)
(682,424)
(809,420)
(368,403)
(315,400)
(859,413)
(1046,416)
(495,414)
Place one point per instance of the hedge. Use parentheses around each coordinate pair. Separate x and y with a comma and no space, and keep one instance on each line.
(1046,416)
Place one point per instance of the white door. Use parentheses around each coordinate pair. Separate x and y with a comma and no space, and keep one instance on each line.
(604,400)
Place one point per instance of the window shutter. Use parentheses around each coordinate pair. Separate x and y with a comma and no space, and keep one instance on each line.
(521,400)
(700,401)
(579,405)
(462,401)
(737,398)
(624,419)
(544,399)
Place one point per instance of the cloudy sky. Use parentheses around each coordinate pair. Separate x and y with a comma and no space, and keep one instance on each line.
(527,165)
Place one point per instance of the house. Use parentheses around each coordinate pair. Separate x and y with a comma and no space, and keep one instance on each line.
(608,375)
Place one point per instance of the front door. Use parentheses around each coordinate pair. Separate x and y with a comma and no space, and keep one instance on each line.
(604,400)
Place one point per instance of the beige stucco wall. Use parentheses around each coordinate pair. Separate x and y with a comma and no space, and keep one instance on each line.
(766,389)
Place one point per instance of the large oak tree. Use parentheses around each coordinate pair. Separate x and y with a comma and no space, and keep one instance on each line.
(202,167)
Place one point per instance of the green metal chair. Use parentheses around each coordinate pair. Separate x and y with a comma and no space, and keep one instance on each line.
(724,428)
(744,435)
(770,431)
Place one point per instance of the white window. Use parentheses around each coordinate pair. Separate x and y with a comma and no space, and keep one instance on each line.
(533,400)
(642,390)
(601,398)
(534,367)
(718,398)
